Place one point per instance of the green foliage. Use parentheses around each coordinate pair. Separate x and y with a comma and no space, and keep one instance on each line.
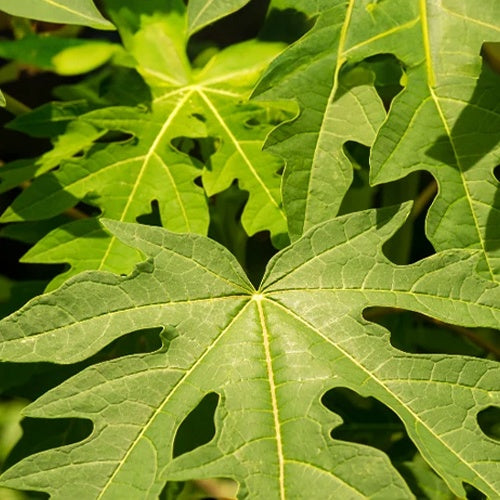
(187,103)
(179,361)
(81,12)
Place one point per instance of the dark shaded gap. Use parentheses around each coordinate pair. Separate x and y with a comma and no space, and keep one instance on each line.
(12,251)
(409,243)
(198,428)
(200,148)
(368,421)
(115,136)
(473,493)
(489,422)
(241,25)
(287,25)
(225,226)
(19,378)
(388,71)
(152,218)
(40,434)
(417,333)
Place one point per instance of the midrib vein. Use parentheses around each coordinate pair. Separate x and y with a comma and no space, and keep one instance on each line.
(341,58)
(274,402)
(143,169)
(431,80)
(201,12)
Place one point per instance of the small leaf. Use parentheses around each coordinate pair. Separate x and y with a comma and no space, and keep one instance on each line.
(66,56)
(201,13)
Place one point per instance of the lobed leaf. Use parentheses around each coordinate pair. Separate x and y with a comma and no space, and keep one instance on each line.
(318,172)
(270,355)
(446,121)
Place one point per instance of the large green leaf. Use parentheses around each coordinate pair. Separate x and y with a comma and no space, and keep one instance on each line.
(124,178)
(270,354)
(446,120)
(81,12)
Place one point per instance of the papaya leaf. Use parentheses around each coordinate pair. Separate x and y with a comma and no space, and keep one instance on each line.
(147,160)
(270,354)
(82,12)
(446,120)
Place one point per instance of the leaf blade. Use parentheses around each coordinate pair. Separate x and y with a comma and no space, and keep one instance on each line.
(301,333)
(69,12)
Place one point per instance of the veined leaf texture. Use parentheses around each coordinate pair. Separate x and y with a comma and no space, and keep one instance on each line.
(270,354)
(276,121)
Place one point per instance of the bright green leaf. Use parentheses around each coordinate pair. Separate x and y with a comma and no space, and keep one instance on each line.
(81,12)
(270,354)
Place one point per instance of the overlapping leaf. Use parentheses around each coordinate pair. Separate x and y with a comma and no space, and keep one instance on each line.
(124,178)
(334,110)
(270,355)
(445,121)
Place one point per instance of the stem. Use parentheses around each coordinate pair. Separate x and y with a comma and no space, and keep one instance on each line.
(14,106)
(424,199)
(460,330)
